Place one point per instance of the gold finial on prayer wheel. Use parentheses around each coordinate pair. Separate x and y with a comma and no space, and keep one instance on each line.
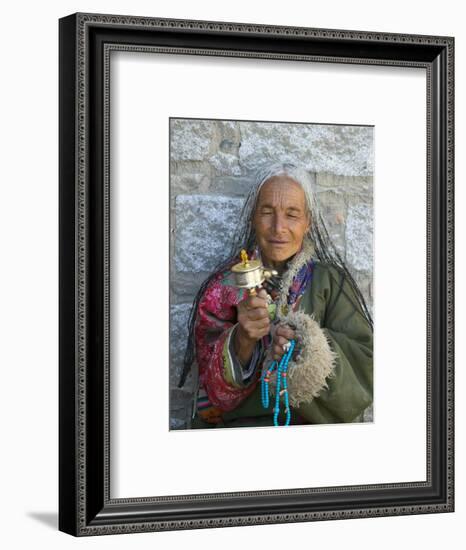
(244,258)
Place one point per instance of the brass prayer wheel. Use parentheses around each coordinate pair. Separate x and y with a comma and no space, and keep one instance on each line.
(250,273)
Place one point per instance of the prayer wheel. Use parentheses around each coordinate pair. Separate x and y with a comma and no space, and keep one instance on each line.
(250,274)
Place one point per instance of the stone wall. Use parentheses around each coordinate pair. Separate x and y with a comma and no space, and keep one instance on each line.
(212,166)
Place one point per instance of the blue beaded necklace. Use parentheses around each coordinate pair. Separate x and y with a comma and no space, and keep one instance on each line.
(282,369)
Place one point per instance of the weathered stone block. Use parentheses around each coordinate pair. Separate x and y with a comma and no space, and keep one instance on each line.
(225,163)
(334,211)
(191,139)
(179,315)
(186,167)
(319,148)
(356,188)
(354,148)
(204,225)
(184,285)
(364,282)
(180,408)
(189,183)
(177,423)
(232,185)
(359,237)
(229,136)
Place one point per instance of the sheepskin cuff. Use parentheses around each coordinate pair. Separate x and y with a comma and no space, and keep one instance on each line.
(312,365)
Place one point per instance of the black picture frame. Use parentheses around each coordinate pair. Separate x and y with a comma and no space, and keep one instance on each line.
(85,506)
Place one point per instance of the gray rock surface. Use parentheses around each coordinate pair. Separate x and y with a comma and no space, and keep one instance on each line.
(179,315)
(359,237)
(341,150)
(190,139)
(204,225)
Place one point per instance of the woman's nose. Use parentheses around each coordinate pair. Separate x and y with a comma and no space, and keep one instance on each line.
(279,223)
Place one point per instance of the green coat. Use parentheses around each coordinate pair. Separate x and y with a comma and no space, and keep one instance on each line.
(331,302)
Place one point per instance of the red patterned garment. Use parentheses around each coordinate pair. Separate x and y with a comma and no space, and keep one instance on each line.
(216,318)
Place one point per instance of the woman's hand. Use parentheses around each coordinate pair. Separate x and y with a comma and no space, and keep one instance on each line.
(253,324)
(283,334)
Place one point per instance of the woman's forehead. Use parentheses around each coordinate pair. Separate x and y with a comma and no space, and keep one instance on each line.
(281,190)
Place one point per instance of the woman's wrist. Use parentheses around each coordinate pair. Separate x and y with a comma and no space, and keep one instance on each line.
(244,346)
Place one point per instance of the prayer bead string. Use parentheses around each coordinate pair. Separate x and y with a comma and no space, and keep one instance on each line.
(282,369)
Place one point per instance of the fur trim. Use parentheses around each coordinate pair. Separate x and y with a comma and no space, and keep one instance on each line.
(314,363)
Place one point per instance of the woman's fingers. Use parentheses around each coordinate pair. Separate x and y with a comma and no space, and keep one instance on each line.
(283,334)
(254,308)
(257,314)
(285,331)
(280,342)
(254,302)
(262,294)
(257,324)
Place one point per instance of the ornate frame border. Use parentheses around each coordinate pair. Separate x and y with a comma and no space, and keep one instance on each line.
(86,41)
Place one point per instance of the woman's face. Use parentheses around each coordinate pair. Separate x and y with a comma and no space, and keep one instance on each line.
(281,220)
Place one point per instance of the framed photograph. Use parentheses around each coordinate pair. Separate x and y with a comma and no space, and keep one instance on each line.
(256,274)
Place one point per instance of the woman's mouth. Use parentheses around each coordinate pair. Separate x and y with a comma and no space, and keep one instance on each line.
(277,243)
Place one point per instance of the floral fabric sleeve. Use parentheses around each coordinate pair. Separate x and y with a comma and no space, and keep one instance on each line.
(220,373)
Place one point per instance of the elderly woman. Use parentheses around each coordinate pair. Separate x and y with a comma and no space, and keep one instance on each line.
(313,302)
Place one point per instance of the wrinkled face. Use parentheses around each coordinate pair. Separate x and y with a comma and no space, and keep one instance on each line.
(281,219)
